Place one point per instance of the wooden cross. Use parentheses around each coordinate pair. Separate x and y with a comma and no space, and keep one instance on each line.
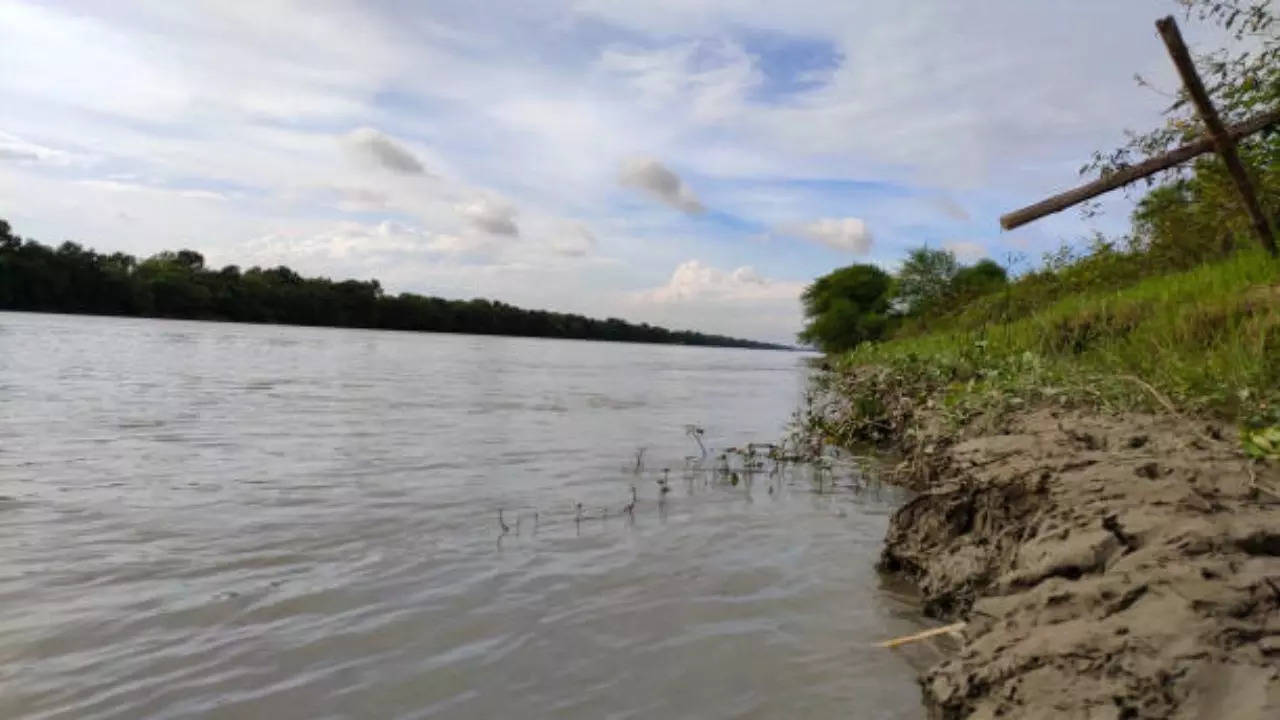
(1220,138)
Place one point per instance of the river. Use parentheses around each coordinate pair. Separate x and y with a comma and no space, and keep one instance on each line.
(235,521)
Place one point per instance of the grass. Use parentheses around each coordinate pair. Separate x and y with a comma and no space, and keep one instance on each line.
(1203,342)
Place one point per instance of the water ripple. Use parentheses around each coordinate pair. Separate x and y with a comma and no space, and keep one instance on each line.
(228,521)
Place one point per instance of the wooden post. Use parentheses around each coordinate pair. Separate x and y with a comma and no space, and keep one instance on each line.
(1222,140)
(1133,173)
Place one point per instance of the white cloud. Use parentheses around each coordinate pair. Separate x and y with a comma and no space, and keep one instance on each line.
(706,80)
(739,302)
(130,186)
(694,281)
(659,181)
(375,147)
(849,234)
(340,249)
(202,194)
(360,199)
(967,252)
(345,242)
(17,149)
(573,240)
(491,216)
(456,244)
(161,63)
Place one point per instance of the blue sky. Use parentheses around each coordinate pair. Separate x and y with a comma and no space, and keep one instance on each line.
(687,162)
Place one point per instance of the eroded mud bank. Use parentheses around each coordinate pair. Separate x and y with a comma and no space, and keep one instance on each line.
(1108,567)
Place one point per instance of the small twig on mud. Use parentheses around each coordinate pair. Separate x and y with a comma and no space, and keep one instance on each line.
(953,627)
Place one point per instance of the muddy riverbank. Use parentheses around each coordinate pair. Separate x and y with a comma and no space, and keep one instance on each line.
(1107,567)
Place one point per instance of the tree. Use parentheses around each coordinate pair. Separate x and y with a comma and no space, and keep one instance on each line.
(846,307)
(190,259)
(978,279)
(7,239)
(925,279)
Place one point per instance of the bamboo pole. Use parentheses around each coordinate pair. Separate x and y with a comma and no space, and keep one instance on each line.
(1133,173)
(953,627)
(1222,140)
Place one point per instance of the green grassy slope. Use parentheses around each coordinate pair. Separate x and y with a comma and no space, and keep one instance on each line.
(1206,341)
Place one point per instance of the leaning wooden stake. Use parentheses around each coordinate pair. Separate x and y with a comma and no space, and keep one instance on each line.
(1222,140)
(1133,173)
(953,627)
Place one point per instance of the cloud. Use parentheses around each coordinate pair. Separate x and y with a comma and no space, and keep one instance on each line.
(848,233)
(15,148)
(950,208)
(694,281)
(360,199)
(573,240)
(128,186)
(491,216)
(344,242)
(656,179)
(375,147)
(202,194)
(705,80)
(967,252)
(739,302)
(371,248)
(456,245)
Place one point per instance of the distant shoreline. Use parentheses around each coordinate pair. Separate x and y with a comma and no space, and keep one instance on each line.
(72,279)
(460,333)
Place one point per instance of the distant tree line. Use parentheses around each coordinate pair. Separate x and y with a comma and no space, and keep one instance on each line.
(74,279)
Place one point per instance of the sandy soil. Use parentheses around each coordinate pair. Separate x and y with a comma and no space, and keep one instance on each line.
(1107,567)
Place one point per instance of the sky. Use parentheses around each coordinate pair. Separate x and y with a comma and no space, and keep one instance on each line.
(690,163)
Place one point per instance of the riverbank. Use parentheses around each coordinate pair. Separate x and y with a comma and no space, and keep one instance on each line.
(1123,566)
(1099,481)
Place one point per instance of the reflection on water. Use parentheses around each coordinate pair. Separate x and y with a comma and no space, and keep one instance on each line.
(230,521)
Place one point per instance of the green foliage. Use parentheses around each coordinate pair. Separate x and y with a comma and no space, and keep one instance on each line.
(1200,216)
(1260,433)
(846,307)
(73,279)
(982,278)
(925,279)
(1262,444)
(1207,339)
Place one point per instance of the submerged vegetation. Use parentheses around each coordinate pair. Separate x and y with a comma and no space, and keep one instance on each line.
(782,468)
(74,279)
(1182,315)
